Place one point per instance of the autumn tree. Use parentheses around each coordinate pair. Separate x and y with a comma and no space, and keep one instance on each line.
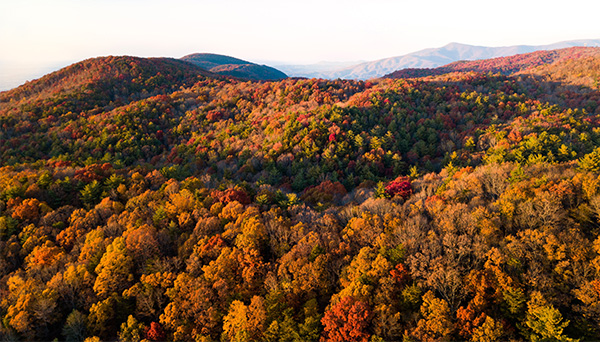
(347,320)
(436,321)
(114,269)
(245,323)
(544,321)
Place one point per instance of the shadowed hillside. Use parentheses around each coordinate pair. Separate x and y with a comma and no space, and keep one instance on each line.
(225,65)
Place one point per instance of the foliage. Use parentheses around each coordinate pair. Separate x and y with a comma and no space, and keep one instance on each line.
(147,199)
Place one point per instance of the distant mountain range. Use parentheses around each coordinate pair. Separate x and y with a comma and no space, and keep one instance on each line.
(504,65)
(431,58)
(315,70)
(412,64)
(230,66)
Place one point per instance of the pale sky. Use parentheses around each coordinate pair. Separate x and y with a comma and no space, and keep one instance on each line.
(50,32)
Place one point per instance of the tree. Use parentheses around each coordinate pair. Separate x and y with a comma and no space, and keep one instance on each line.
(545,323)
(436,323)
(236,272)
(591,161)
(155,332)
(245,323)
(106,315)
(400,187)
(142,244)
(114,269)
(44,261)
(29,304)
(30,210)
(194,310)
(284,329)
(132,330)
(150,293)
(347,320)
(74,286)
(74,329)
(90,195)
(489,331)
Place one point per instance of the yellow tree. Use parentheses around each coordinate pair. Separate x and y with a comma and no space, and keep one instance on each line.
(74,286)
(545,323)
(194,310)
(114,269)
(245,323)
(31,307)
(436,324)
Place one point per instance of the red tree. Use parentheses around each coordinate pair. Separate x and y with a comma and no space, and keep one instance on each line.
(155,332)
(347,321)
(399,187)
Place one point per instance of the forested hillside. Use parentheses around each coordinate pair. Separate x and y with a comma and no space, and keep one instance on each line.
(151,199)
(505,65)
(229,66)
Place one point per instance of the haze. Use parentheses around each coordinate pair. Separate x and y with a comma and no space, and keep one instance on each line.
(36,34)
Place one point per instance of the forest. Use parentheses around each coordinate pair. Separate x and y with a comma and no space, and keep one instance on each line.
(149,199)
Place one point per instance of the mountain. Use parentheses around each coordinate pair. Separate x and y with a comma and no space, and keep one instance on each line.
(504,65)
(434,57)
(110,77)
(230,66)
(315,70)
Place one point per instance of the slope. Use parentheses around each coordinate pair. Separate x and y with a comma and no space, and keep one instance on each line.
(449,207)
(230,66)
(504,65)
(100,80)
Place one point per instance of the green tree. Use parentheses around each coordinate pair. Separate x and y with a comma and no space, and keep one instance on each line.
(90,195)
(74,329)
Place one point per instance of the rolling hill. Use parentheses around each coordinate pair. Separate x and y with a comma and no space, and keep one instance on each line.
(109,78)
(230,66)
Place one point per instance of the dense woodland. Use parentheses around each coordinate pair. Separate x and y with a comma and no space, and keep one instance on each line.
(151,199)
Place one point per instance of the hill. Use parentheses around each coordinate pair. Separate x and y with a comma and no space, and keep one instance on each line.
(435,57)
(504,65)
(230,66)
(98,81)
(150,199)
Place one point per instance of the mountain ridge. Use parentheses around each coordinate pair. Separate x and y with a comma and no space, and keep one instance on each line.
(504,65)
(435,57)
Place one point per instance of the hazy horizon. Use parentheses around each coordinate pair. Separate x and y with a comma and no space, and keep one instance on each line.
(41,34)
(15,75)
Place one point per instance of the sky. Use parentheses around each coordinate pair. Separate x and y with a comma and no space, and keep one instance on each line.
(45,35)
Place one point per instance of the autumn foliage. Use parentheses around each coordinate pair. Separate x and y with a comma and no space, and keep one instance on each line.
(346,321)
(149,199)
(399,187)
